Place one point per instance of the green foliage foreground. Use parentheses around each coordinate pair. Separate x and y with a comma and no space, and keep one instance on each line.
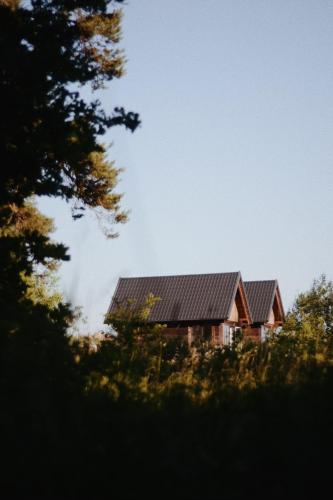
(144,417)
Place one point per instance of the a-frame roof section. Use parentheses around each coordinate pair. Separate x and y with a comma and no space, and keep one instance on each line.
(242,303)
(196,297)
(262,295)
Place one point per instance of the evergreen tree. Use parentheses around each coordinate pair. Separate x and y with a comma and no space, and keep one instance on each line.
(50,135)
(49,145)
(49,132)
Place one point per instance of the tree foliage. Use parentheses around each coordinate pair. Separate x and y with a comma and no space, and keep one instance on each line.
(130,320)
(50,145)
(49,133)
(313,309)
(39,276)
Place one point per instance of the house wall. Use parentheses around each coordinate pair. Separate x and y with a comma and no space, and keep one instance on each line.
(252,333)
(271,319)
(216,335)
(175,332)
(210,333)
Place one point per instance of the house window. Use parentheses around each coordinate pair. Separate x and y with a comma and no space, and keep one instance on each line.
(263,333)
(227,334)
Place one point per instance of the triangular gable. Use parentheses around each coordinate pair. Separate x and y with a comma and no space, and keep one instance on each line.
(241,303)
(234,315)
(277,306)
(264,298)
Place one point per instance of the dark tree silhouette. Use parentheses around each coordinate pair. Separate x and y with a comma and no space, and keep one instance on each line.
(50,135)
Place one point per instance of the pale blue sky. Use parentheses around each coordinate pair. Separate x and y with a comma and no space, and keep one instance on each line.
(232,167)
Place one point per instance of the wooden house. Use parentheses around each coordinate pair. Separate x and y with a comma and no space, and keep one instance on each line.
(266,307)
(210,307)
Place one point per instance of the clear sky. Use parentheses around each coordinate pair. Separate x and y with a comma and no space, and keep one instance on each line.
(232,167)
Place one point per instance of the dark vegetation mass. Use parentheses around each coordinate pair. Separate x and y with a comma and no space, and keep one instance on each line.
(133,416)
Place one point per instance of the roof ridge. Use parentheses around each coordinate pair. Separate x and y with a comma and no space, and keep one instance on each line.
(261,281)
(176,275)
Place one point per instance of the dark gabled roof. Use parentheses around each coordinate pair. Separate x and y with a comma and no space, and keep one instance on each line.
(183,298)
(260,295)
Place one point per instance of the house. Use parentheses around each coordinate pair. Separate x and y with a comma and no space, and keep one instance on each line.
(266,307)
(207,306)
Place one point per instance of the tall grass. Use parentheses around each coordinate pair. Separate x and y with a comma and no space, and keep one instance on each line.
(146,417)
(202,422)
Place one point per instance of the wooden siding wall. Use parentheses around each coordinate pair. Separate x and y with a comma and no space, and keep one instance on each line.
(175,332)
(215,335)
(239,304)
(252,333)
(212,333)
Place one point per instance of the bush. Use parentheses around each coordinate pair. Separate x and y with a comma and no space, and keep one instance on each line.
(145,417)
